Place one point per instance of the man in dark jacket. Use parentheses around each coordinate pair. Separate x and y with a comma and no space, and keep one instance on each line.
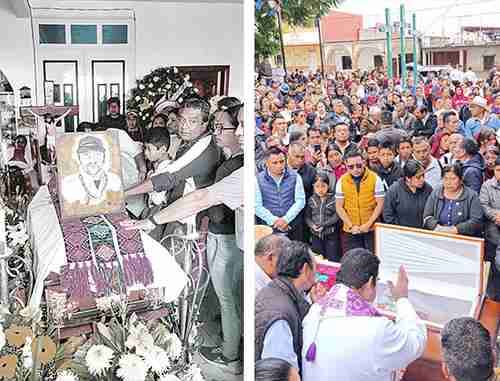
(113,119)
(467,152)
(388,170)
(280,306)
(426,122)
(405,200)
(296,161)
(198,156)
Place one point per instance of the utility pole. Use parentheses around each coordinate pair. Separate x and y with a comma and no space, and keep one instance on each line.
(281,42)
(318,21)
(414,33)
(402,45)
(388,35)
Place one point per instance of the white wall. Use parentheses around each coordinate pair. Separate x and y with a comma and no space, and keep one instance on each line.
(16,48)
(191,34)
(167,34)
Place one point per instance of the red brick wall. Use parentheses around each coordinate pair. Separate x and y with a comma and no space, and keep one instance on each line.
(340,26)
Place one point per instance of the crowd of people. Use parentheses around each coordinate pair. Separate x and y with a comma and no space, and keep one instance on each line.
(335,155)
(183,173)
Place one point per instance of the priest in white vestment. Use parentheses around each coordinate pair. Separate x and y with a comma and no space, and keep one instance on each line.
(345,337)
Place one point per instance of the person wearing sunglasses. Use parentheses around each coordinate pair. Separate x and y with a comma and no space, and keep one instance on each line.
(359,202)
(405,200)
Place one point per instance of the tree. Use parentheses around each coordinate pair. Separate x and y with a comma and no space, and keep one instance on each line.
(294,13)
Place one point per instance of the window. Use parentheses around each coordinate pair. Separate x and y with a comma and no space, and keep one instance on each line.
(83,34)
(114,34)
(488,62)
(52,34)
(346,63)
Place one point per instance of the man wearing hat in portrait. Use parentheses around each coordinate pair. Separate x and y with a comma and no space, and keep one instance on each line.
(90,185)
(481,117)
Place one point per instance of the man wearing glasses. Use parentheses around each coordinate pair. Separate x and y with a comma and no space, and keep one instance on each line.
(359,202)
(197,158)
(223,202)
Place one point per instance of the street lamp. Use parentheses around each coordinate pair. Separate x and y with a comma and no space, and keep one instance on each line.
(275,5)
(318,22)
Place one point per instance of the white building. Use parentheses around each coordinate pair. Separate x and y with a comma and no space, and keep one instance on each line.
(91,48)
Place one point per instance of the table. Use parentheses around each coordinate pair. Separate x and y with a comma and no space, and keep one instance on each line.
(428,367)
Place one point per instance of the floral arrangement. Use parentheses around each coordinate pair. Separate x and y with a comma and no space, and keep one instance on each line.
(27,351)
(161,83)
(128,349)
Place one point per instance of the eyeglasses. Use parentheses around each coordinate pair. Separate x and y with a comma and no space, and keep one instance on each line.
(352,166)
(219,127)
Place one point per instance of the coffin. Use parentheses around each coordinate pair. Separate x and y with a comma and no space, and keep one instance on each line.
(447,279)
(445,272)
(49,256)
(326,272)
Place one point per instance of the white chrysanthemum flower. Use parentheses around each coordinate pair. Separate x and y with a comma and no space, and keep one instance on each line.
(137,98)
(169,377)
(176,70)
(168,86)
(181,100)
(132,368)
(174,349)
(156,79)
(17,237)
(151,85)
(139,338)
(157,359)
(196,90)
(141,86)
(27,355)
(66,375)
(99,359)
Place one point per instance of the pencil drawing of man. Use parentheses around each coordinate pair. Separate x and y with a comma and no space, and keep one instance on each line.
(90,185)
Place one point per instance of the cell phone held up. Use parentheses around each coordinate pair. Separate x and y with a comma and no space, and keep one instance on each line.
(317,148)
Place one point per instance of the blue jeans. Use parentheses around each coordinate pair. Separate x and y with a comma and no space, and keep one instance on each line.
(225,263)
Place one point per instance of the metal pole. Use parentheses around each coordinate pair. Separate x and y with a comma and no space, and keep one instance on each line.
(318,20)
(402,45)
(414,32)
(281,42)
(388,34)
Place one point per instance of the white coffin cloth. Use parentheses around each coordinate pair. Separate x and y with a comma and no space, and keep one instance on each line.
(49,251)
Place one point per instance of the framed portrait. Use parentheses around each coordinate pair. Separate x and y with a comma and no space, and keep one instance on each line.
(89,174)
(68,94)
(102,96)
(49,92)
(57,94)
(115,90)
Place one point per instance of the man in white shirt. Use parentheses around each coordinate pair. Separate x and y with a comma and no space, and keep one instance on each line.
(345,337)
(267,252)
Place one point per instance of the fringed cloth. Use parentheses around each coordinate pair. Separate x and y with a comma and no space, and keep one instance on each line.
(101,256)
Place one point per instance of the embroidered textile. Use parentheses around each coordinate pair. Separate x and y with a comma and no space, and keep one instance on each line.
(101,256)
